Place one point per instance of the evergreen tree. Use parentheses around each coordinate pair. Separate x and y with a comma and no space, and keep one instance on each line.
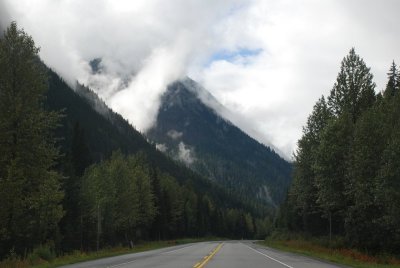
(352,94)
(364,163)
(79,150)
(388,194)
(171,206)
(73,165)
(304,192)
(353,162)
(398,81)
(29,189)
(388,178)
(331,170)
(392,86)
(190,214)
(353,91)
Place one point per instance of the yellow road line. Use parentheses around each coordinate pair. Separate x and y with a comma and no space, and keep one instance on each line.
(207,258)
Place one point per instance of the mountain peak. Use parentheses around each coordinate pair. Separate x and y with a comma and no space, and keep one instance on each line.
(190,129)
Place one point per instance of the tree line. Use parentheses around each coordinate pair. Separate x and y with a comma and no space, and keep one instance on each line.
(125,199)
(60,196)
(346,178)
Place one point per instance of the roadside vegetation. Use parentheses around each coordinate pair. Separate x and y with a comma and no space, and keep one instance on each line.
(45,257)
(334,251)
(344,201)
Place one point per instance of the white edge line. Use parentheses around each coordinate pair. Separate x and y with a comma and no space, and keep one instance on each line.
(176,249)
(259,252)
(121,264)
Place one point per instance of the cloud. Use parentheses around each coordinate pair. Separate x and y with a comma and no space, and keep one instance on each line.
(185,154)
(271,94)
(267,61)
(4,17)
(173,134)
(162,147)
(144,44)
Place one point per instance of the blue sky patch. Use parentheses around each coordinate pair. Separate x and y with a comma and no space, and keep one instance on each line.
(229,55)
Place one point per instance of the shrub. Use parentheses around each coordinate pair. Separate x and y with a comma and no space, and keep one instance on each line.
(42,252)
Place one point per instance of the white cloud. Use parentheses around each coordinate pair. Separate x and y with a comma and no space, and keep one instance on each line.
(4,17)
(162,147)
(146,44)
(303,43)
(173,134)
(185,154)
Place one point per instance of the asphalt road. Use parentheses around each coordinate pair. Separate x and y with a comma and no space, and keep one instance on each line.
(232,254)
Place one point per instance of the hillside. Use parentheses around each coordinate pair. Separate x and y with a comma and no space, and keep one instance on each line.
(189,130)
(90,132)
(107,131)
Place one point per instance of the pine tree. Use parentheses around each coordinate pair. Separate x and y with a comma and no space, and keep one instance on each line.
(388,193)
(364,163)
(29,189)
(171,205)
(303,191)
(353,160)
(353,91)
(74,164)
(392,86)
(331,170)
(352,94)
(79,150)
(398,81)
(388,178)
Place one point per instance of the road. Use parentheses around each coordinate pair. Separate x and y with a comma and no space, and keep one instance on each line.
(227,254)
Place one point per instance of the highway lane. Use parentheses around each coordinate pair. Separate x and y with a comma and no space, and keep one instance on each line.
(176,256)
(240,254)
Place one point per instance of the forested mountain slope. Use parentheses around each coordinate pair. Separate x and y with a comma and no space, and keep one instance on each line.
(90,132)
(189,130)
(76,175)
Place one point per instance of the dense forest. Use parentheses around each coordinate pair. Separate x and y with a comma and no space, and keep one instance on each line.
(73,176)
(347,167)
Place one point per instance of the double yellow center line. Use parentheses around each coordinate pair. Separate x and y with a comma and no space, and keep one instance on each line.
(208,257)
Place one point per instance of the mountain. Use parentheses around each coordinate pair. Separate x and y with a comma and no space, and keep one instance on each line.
(106,131)
(108,186)
(90,132)
(189,130)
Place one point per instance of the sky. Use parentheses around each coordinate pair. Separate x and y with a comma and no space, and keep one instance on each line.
(266,61)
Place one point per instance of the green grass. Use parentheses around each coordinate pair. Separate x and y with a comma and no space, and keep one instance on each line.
(344,256)
(78,256)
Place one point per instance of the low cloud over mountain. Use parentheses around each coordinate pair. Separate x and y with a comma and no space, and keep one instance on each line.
(264,60)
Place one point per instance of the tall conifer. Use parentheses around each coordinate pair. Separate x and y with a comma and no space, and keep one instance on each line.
(30,193)
(353,91)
